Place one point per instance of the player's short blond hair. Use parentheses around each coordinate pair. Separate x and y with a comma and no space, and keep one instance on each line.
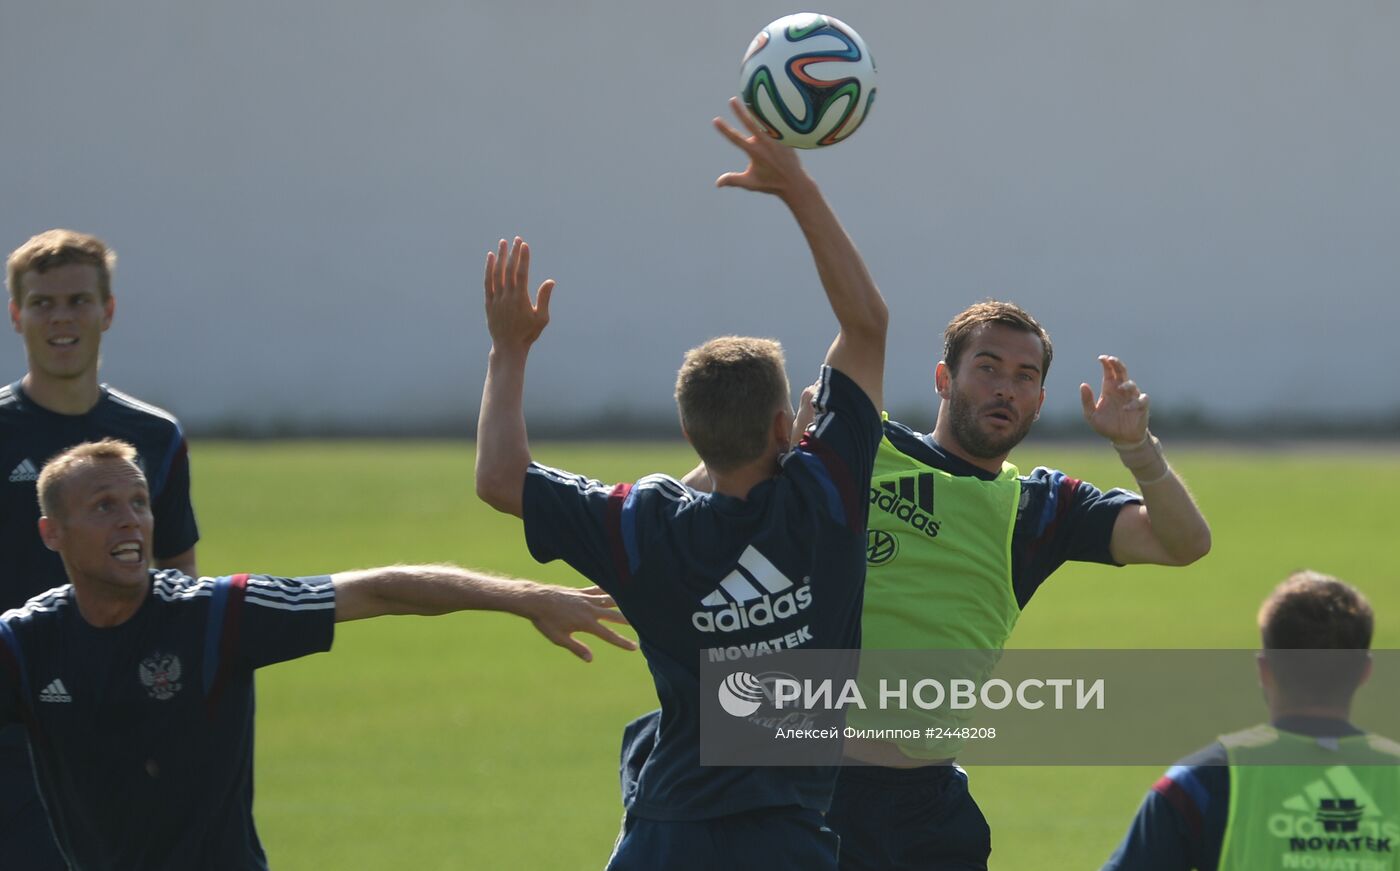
(54,248)
(61,469)
(727,391)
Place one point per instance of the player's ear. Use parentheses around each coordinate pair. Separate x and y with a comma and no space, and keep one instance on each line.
(943,379)
(14,315)
(782,427)
(51,533)
(109,306)
(1040,402)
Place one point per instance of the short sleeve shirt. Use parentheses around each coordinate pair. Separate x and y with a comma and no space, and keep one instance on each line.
(142,733)
(782,568)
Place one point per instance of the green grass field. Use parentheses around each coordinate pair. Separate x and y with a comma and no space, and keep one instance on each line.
(468,742)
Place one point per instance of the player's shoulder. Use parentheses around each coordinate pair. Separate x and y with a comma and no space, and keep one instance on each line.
(1053,485)
(173,585)
(1046,476)
(47,607)
(1196,783)
(662,490)
(14,410)
(119,404)
(10,397)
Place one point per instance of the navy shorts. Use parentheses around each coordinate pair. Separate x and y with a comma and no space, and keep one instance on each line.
(772,839)
(901,819)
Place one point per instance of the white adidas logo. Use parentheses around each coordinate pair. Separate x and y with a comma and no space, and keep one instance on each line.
(55,692)
(755,578)
(25,471)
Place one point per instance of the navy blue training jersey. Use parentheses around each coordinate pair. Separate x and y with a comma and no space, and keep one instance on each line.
(1059,519)
(142,733)
(695,571)
(30,435)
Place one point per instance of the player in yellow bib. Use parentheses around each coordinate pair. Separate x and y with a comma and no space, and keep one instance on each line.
(959,540)
(957,543)
(1307,790)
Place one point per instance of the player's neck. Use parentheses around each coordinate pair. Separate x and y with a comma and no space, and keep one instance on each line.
(943,434)
(1282,710)
(63,395)
(738,482)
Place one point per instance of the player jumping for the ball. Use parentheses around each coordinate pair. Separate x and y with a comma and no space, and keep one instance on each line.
(795,516)
(996,537)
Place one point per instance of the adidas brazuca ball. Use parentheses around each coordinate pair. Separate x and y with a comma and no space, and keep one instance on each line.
(809,79)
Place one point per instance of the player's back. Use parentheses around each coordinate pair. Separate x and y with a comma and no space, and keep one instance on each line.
(700,574)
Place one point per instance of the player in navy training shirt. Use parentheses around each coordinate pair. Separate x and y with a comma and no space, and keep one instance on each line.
(136,685)
(60,304)
(780,543)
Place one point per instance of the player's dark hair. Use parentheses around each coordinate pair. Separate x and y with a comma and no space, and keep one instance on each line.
(992,311)
(1314,612)
(61,467)
(54,248)
(727,391)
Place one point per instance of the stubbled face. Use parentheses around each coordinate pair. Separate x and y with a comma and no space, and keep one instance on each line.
(997,392)
(105,531)
(62,317)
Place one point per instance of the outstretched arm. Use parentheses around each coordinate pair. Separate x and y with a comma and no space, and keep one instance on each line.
(859,349)
(1168,528)
(557,612)
(502,446)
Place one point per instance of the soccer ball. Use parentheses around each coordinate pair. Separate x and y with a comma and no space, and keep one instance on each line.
(809,79)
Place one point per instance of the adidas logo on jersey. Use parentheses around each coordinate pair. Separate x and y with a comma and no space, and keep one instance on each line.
(25,471)
(754,594)
(55,692)
(909,499)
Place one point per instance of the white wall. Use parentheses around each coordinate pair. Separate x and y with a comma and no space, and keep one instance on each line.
(302,194)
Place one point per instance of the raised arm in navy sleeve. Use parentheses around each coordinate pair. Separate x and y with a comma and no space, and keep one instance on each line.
(837,452)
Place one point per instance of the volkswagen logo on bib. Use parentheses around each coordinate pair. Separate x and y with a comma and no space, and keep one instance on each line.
(880,546)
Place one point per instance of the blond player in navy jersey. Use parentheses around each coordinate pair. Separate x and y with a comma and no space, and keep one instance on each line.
(136,685)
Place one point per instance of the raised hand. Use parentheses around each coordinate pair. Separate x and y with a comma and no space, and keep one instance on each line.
(806,413)
(510,315)
(773,168)
(1120,412)
(563,611)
